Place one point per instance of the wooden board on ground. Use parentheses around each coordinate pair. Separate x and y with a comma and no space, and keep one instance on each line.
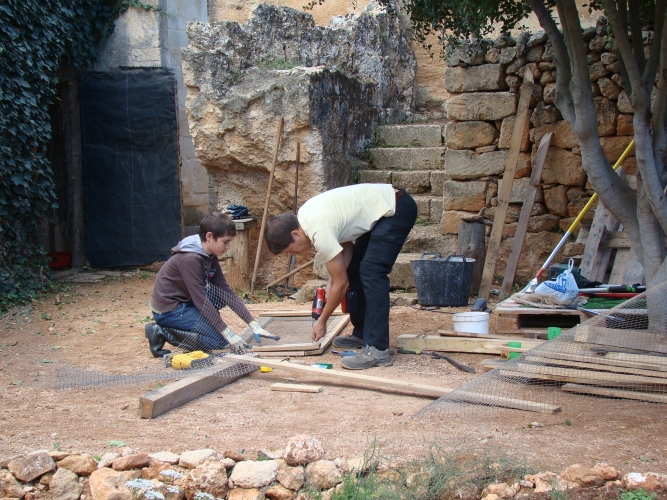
(631,339)
(467,335)
(295,387)
(594,366)
(559,374)
(400,385)
(456,344)
(490,364)
(294,332)
(596,257)
(615,393)
(173,395)
(512,317)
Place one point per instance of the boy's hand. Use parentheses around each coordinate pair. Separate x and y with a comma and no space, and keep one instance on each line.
(236,343)
(319,330)
(260,332)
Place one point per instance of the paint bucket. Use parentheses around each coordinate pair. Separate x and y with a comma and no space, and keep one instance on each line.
(471,322)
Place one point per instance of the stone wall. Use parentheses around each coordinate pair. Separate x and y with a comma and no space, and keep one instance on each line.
(483,78)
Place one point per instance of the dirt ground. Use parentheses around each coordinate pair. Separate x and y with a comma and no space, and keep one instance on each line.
(100,326)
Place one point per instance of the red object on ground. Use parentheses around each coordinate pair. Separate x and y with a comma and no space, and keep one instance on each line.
(59,259)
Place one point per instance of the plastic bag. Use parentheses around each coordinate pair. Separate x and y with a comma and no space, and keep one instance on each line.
(564,288)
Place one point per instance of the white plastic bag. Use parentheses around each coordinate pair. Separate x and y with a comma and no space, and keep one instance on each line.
(564,288)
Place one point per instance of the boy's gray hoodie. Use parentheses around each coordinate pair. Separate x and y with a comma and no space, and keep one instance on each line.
(183,278)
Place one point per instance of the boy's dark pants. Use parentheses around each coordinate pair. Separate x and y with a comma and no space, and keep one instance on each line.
(368,273)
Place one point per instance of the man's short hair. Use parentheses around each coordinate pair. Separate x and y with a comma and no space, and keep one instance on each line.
(278,232)
(218,224)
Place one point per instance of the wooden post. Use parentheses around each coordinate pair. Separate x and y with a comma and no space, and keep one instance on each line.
(238,267)
(471,245)
(520,123)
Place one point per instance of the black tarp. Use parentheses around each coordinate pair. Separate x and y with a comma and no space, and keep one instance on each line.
(130,158)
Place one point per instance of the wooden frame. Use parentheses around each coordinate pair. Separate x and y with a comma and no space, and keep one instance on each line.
(307,348)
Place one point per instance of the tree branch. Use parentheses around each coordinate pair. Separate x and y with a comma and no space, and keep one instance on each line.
(624,48)
(657,49)
(636,33)
(660,104)
(650,237)
(561,59)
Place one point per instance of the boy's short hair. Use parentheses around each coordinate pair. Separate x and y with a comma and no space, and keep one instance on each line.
(218,224)
(278,232)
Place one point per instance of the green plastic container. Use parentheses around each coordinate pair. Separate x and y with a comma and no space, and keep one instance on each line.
(553,331)
(513,355)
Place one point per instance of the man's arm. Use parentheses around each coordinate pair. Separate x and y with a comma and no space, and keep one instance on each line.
(337,287)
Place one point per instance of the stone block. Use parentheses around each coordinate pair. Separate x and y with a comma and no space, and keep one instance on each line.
(515,65)
(624,103)
(374,177)
(549,94)
(401,272)
(485,149)
(540,37)
(436,209)
(468,53)
(597,70)
(547,77)
(608,57)
(450,220)
(540,245)
(544,114)
(481,106)
(492,55)
(409,135)
(606,112)
(423,207)
(437,179)
(469,135)
(556,200)
(413,182)
(475,78)
(523,166)
(563,167)
(519,187)
(597,43)
(624,125)
(429,237)
(513,82)
(534,54)
(574,208)
(464,196)
(546,222)
(407,158)
(613,147)
(506,130)
(563,135)
(608,88)
(463,165)
(507,55)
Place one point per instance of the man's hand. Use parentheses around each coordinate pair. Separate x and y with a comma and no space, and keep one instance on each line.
(319,330)
(260,332)
(236,343)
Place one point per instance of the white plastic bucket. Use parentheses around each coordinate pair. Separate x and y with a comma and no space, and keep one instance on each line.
(471,322)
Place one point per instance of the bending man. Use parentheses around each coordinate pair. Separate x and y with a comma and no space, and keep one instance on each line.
(360,231)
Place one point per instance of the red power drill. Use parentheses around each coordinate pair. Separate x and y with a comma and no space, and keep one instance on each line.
(319,300)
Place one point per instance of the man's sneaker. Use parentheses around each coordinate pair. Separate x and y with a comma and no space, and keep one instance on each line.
(350,342)
(367,358)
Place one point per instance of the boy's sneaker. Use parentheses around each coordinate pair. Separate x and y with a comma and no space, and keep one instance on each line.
(350,342)
(367,358)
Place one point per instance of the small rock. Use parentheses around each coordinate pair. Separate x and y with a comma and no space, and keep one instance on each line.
(191,459)
(9,486)
(126,451)
(245,494)
(526,484)
(138,461)
(237,457)
(606,472)
(107,459)
(81,465)
(228,463)
(164,456)
(46,478)
(279,492)
(209,477)
(501,490)
(491,496)
(154,469)
(65,485)
(169,476)
(582,476)
(635,480)
(108,484)
(291,478)
(252,474)
(58,455)
(25,468)
(302,450)
(323,475)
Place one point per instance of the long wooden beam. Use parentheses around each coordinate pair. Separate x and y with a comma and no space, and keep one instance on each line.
(456,344)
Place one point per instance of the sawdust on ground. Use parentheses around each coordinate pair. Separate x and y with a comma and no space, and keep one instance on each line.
(100,326)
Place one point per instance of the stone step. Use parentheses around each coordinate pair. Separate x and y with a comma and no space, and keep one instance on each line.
(431,158)
(415,182)
(409,135)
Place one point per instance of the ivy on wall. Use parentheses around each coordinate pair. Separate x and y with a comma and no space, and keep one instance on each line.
(36,38)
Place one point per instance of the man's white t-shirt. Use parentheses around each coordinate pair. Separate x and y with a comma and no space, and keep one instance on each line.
(343,214)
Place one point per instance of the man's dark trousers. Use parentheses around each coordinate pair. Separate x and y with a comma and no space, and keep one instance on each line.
(373,257)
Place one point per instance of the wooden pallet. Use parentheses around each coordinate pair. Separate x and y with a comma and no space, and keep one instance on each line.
(512,317)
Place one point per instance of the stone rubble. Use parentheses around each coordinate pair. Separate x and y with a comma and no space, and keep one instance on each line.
(208,475)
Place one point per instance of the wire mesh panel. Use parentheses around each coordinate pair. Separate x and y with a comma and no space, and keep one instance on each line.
(619,354)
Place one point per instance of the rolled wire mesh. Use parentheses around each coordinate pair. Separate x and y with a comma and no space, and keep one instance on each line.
(67,374)
(616,359)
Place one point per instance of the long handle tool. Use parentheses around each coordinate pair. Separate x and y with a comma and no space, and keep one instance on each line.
(532,285)
(437,355)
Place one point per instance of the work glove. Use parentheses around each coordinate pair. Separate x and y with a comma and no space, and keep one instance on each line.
(260,332)
(236,343)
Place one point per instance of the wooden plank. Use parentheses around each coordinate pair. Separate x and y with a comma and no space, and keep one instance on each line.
(584,376)
(173,395)
(505,402)
(504,351)
(454,344)
(603,361)
(490,364)
(630,339)
(352,376)
(239,266)
(596,258)
(467,335)
(285,354)
(311,346)
(507,324)
(524,217)
(615,393)
(471,245)
(634,272)
(296,314)
(594,366)
(295,387)
(637,358)
(520,124)
(620,266)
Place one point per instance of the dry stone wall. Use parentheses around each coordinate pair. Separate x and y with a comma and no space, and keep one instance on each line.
(483,78)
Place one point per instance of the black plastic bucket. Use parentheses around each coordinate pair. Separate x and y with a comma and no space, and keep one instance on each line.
(443,282)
